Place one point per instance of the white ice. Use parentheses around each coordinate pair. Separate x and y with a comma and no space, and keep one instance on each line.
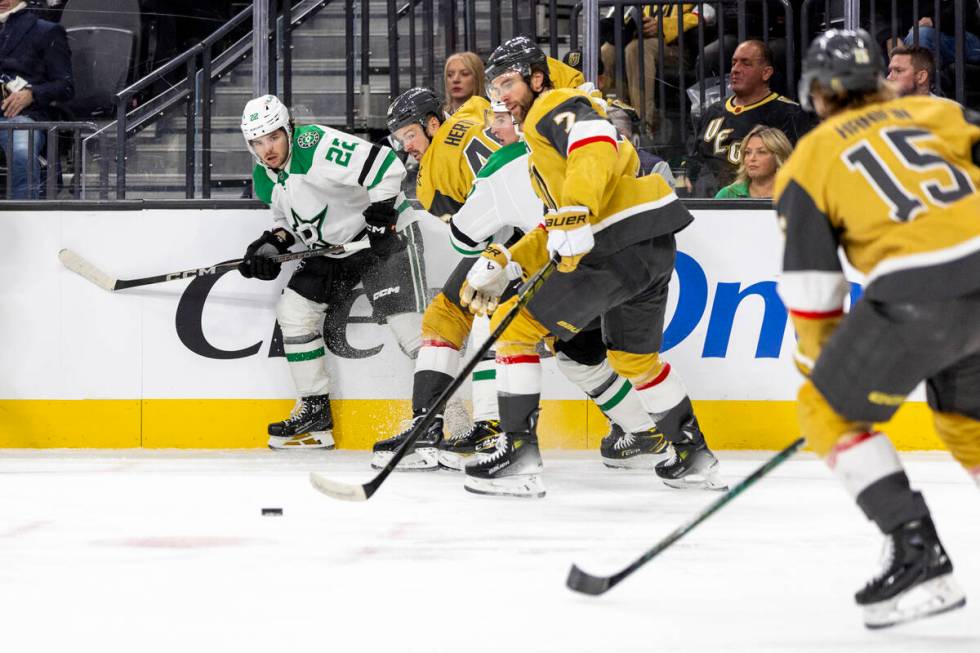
(167,551)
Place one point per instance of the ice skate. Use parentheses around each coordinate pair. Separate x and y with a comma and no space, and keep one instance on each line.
(693,467)
(479,441)
(513,469)
(641,450)
(309,426)
(916,579)
(423,454)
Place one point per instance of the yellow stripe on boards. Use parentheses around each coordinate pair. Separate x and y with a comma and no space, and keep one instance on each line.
(50,423)
(241,423)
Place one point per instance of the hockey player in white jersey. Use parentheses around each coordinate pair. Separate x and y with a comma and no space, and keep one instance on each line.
(326,187)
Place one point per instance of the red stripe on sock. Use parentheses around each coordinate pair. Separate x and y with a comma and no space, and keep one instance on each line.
(817,315)
(591,139)
(850,444)
(439,343)
(515,360)
(660,378)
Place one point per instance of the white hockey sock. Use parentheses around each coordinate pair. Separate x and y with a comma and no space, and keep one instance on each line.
(307,366)
(613,394)
(863,459)
(485,391)
(662,393)
(441,357)
(519,375)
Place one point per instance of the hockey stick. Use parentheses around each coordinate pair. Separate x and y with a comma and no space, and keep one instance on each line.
(586,583)
(80,266)
(364,492)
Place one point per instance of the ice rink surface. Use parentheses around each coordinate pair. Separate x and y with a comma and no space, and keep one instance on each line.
(168,551)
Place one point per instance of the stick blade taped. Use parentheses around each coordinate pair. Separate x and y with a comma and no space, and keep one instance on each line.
(337,490)
(86,270)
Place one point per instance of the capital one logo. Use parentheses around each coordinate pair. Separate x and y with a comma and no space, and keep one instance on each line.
(692,304)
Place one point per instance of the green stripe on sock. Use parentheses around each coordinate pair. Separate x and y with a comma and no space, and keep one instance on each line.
(485,375)
(618,397)
(305,355)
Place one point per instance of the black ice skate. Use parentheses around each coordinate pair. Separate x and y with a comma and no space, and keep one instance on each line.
(513,469)
(916,579)
(640,450)
(693,466)
(479,441)
(423,454)
(309,426)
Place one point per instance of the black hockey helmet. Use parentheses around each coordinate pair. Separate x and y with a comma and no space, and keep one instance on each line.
(518,54)
(841,60)
(414,106)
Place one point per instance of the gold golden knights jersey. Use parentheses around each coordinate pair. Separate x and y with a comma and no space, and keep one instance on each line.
(894,184)
(564,76)
(578,159)
(457,152)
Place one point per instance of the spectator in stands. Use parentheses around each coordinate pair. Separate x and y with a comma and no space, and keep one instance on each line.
(947,41)
(35,66)
(764,151)
(655,21)
(464,78)
(911,70)
(726,19)
(714,155)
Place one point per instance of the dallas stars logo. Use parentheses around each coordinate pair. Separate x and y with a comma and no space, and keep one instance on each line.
(308,139)
(310,231)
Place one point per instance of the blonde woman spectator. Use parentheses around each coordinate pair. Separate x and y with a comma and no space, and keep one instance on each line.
(763,152)
(464,78)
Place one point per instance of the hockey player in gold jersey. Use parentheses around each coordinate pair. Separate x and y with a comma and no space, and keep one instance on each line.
(614,233)
(892,182)
(451,153)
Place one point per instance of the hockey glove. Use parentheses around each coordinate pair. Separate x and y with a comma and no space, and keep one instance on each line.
(569,235)
(381,218)
(256,263)
(488,279)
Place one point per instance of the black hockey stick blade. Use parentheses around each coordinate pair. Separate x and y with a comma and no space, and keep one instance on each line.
(348,492)
(82,267)
(586,583)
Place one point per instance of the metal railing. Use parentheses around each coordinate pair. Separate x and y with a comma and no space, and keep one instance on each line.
(202,68)
(719,31)
(51,131)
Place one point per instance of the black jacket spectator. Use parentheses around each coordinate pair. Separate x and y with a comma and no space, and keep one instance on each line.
(37,50)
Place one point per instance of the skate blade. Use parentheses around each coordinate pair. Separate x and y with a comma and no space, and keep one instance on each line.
(643,461)
(933,597)
(524,486)
(696,482)
(312,440)
(421,460)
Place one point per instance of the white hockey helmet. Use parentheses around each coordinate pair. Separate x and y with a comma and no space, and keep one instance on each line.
(264,115)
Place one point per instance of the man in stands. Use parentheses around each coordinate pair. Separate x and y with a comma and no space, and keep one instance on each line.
(35,74)
(715,153)
(911,70)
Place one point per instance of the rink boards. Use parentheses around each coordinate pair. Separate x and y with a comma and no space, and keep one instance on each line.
(199,363)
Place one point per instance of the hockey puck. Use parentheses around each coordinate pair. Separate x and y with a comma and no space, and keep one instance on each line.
(272,512)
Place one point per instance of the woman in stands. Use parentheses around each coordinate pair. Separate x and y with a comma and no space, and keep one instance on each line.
(464,78)
(764,150)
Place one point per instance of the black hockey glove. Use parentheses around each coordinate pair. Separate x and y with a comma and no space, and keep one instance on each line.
(256,262)
(381,218)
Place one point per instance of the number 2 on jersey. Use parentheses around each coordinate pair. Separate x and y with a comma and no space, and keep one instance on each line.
(905,204)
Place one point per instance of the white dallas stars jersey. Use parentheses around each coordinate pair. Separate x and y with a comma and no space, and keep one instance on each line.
(327,182)
(500,200)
